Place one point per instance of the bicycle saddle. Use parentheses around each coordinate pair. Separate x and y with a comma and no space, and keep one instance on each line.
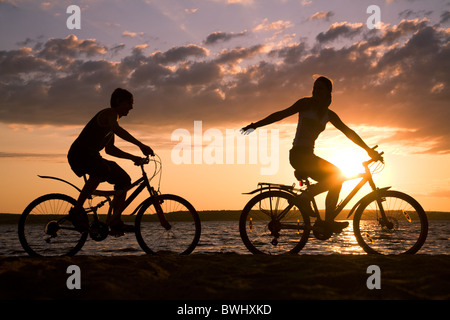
(302,178)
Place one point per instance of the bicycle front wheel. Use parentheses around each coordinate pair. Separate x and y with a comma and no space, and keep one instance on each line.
(271,224)
(185,228)
(402,230)
(44,229)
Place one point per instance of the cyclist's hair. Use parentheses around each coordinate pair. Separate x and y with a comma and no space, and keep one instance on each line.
(118,96)
(325,81)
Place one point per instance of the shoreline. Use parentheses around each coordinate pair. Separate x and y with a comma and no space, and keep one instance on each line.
(222,215)
(226,276)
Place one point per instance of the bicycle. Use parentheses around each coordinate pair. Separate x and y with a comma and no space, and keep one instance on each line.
(278,220)
(163,222)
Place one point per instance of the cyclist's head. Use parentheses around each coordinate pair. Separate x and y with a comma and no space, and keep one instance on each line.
(323,83)
(120,95)
(122,101)
(322,89)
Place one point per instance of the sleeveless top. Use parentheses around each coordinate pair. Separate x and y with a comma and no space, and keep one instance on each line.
(310,125)
(93,138)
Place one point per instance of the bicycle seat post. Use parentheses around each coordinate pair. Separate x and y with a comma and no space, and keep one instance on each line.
(306,182)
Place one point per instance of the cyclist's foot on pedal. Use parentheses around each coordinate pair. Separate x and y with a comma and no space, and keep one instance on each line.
(79,219)
(332,226)
(337,227)
(119,229)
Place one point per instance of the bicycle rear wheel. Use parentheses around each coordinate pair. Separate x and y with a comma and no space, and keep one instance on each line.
(404,232)
(44,229)
(271,224)
(185,228)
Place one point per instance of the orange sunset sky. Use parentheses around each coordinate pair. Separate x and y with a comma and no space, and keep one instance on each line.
(225,64)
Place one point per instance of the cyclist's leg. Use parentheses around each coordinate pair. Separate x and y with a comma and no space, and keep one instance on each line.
(331,202)
(84,163)
(302,159)
(307,164)
(121,181)
(328,176)
(89,187)
(331,178)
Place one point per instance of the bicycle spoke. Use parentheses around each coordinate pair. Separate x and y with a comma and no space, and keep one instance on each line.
(44,229)
(261,228)
(183,235)
(403,229)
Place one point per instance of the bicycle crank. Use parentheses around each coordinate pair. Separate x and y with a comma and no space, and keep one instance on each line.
(274,227)
(98,231)
(52,229)
(321,232)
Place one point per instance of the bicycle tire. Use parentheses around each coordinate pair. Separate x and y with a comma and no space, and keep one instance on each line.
(258,230)
(407,229)
(35,222)
(184,234)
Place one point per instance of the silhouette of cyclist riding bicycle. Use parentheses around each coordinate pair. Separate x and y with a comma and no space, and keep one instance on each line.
(57,224)
(277,220)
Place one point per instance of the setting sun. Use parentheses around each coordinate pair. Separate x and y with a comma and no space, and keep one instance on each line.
(349,161)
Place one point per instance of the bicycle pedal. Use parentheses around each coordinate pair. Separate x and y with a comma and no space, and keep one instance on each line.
(98,231)
(116,234)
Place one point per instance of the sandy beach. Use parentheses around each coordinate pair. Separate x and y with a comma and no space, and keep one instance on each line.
(226,277)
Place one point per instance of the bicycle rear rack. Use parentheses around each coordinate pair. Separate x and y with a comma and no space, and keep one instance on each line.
(262,186)
(269,185)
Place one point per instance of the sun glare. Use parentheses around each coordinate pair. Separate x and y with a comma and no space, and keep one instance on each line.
(349,161)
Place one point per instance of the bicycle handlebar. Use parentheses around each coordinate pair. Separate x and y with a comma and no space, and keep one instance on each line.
(142,161)
(379,158)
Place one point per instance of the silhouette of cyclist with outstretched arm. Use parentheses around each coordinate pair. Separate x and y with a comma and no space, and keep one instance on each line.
(313,115)
(84,158)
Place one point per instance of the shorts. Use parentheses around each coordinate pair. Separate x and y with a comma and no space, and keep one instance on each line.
(94,165)
(307,164)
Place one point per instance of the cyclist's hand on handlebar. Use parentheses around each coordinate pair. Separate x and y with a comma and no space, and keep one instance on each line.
(375,155)
(146,150)
(140,161)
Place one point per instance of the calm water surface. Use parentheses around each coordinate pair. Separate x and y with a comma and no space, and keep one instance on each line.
(223,237)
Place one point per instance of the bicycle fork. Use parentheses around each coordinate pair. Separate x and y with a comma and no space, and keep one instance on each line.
(383,220)
(159,211)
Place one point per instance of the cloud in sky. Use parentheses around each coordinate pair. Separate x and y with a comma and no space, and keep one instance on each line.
(276,25)
(395,77)
(342,29)
(220,36)
(325,15)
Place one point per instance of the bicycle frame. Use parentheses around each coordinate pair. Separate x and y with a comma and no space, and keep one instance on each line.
(366,177)
(141,184)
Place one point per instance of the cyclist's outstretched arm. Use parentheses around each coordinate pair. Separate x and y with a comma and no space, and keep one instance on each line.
(349,133)
(276,116)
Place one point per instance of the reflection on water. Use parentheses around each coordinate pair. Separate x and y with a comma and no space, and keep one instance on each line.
(387,241)
(223,237)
